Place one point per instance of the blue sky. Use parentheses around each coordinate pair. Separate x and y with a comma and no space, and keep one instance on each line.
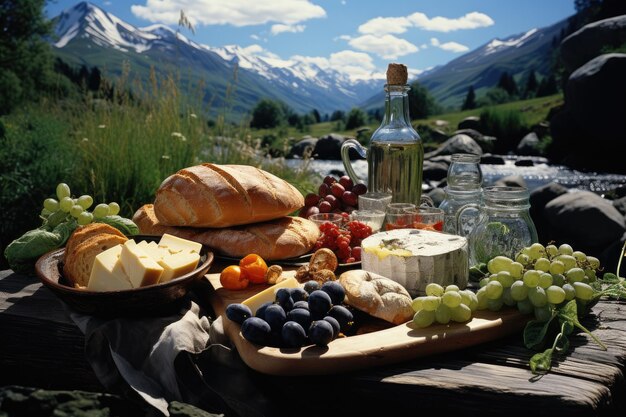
(359,36)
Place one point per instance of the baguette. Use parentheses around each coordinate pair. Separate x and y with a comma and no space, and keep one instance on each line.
(210,195)
(282,238)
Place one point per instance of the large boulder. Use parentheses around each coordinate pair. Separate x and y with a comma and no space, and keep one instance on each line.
(486,143)
(329,147)
(457,144)
(539,197)
(529,145)
(306,146)
(589,41)
(511,181)
(589,132)
(585,220)
(435,171)
(471,122)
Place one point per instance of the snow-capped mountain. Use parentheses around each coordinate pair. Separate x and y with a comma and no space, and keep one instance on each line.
(86,34)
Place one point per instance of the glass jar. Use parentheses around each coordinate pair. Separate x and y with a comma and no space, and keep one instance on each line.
(454,200)
(464,172)
(504,225)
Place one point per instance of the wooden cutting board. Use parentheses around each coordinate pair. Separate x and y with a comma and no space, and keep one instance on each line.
(391,345)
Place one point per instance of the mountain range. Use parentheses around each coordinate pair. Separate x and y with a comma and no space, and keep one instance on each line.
(235,77)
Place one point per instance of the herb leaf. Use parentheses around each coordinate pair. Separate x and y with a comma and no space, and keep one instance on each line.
(535,331)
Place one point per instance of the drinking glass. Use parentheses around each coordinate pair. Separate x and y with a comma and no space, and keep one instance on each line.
(372,218)
(374,201)
(427,218)
(396,216)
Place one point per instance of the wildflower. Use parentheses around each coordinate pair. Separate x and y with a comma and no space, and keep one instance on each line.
(101,126)
(193,116)
(85,139)
(179,136)
(165,157)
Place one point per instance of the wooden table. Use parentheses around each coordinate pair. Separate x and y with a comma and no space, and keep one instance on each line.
(40,346)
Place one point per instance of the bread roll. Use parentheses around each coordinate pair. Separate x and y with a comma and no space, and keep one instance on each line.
(377,296)
(282,238)
(210,195)
(79,261)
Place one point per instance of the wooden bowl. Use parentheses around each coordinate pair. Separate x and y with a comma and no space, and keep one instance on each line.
(145,301)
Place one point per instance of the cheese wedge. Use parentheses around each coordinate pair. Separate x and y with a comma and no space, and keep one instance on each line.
(107,273)
(176,265)
(140,268)
(175,244)
(153,250)
(269,294)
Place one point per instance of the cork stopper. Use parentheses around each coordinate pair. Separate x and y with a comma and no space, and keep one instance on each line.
(397,74)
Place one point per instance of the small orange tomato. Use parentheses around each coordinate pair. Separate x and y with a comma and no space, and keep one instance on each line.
(254,267)
(233,278)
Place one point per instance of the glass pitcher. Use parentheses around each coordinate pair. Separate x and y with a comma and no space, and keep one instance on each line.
(504,225)
(455,199)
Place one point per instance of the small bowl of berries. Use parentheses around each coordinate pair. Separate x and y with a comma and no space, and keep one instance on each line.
(344,240)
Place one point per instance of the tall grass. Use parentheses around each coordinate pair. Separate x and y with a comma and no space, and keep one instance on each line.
(509,126)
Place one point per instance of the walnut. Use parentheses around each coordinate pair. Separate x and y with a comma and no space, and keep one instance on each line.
(302,274)
(323,275)
(273,274)
(323,259)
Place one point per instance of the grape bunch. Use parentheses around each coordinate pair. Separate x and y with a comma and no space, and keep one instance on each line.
(333,196)
(297,317)
(442,305)
(65,207)
(344,241)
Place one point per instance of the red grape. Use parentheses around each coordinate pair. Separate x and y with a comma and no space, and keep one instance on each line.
(359,189)
(337,190)
(356,252)
(349,198)
(349,209)
(324,190)
(346,182)
(334,202)
(311,199)
(325,207)
(308,211)
(329,180)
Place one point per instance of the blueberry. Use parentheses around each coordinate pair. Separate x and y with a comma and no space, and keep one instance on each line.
(301,304)
(321,332)
(293,334)
(260,313)
(311,286)
(335,290)
(298,294)
(275,316)
(343,316)
(238,312)
(283,298)
(256,330)
(301,316)
(319,303)
(333,322)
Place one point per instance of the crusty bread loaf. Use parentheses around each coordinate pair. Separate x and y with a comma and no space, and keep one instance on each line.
(83,233)
(377,295)
(210,195)
(282,238)
(79,260)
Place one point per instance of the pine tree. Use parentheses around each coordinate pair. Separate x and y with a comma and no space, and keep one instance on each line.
(531,85)
(470,99)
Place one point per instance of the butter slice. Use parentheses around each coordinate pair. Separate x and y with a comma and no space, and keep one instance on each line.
(269,294)
(176,265)
(141,268)
(175,244)
(107,273)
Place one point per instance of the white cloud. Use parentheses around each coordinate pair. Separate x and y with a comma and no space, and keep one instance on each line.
(449,46)
(107,3)
(386,46)
(280,28)
(343,37)
(471,20)
(382,25)
(353,64)
(255,37)
(231,12)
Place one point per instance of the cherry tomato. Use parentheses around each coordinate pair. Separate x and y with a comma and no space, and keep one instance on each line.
(233,278)
(254,267)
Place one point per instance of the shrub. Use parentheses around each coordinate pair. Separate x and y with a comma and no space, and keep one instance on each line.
(506,125)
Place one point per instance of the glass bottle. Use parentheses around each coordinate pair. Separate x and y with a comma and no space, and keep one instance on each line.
(464,171)
(395,158)
(504,225)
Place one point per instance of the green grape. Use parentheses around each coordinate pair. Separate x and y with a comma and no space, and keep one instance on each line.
(442,314)
(497,264)
(575,275)
(525,307)
(85,201)
(483,282)
(565,249)
(466,297)
(114,208)
(542,264)
(552,250)
(495,305)
(434,289)
(423,318)
(591,274)
(579,256)
(66,204)
(507,299)
(583,291)
(545,280)
(536,251)
(494,290)
(473,302)
(516,270)
(558,279)
(593,262)
(555,294)
(101,210)
(505,278)
(84,218)
(431,303)
(568,260)
(76,210)
(452,288)
(519,291)
(63,190)
(51,205)
(417,304)
(523,258)
(557,267)
(460,313)
(451,298)
(481,296)
(537,296)
(543,313)
(45,212)
(570,292)
(531,278)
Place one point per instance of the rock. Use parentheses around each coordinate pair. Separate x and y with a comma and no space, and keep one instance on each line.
(456,144)
(511,181)
(539,197)
(620,205)
(306,146)
(329,147)
(447,159)
(588,133)
(471,122)
(585,220)
(524,163)
(430,134)
(441,123)
(437,195)
(435,171)
(589,41)
(529,145)
(486,143)
(489,159)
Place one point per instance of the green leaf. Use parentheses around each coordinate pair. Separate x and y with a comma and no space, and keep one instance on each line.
(124,225)
(478,271)
(535,332)
(541,362)
(569,313)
